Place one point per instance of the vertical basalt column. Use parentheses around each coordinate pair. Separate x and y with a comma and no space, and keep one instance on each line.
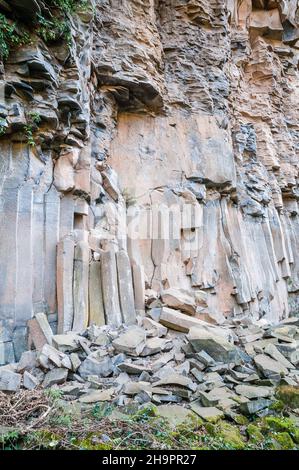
(24,308)
(96,302)
(8,259)
(110,288)
(52,210)
(65,268)
(80,286)
(125,286)
(139,288)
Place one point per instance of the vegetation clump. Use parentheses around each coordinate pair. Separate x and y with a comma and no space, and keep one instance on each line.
(51,25)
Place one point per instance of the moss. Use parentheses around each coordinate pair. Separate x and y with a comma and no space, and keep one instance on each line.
(288,395)
(240,419)
(254,434)
(279,424)
(284,441)
(230,435)
(210,429)
(91,444)
(295,435)
(277,405)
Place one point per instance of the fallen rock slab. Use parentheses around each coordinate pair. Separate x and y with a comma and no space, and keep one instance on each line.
(175,414)
(29,381)
(66,342)
(269,367)
(98,395)
(131,342)
(208,413)
(214,345)
(176,379)
(55,376)
(179,300)
(92,366)
(9,381)
(251,391)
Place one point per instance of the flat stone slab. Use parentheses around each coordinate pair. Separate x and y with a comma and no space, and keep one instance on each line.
(98,395)
(214,345)
(131,342)
(55,376)
(251,391)
(269,367)
(93,366)
(66,342)
(176,379)
(208,413)
(9,381)
(175,414)
(131,368)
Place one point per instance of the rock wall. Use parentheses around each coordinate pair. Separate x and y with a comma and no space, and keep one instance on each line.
(152,160)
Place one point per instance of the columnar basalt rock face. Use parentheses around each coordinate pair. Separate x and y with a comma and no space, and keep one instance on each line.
(161,138)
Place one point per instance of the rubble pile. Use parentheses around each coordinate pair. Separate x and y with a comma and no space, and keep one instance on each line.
(215,371)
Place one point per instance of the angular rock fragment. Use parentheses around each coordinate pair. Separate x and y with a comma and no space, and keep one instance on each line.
(254,406)
(40,331)
(175,414)
(216,346)
(272,351)
(208,413)
(179,300)
(28,361)
(97,396)
(66,342)
(92,366)
(176,379)
(55,376)
(131,342)
(9,381)
(269,367)
(132,368)
(251,391)
(153,328)
(29,381)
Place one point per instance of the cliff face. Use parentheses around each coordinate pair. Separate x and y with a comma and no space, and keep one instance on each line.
(153,154)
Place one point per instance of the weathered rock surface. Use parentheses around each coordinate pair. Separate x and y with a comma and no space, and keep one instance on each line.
(150,164)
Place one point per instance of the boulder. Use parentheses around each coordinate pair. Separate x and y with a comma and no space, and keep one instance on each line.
(175,414)
(92,366)
(254,406)
(273,352)
(208,413)
(28,361)
(66,342)
(179,300)
(131,342)
(55,376)
(251,391)
(269,367)
(214,345)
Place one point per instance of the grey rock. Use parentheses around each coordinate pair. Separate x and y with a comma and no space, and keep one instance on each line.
(55,376)
(9,381)
(29,381)
(92,366)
